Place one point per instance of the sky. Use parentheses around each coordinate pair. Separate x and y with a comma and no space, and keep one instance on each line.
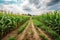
(34,7)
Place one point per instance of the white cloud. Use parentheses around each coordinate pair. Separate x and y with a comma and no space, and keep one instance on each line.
(12,7)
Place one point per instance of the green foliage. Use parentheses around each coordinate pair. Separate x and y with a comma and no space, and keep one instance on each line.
(22,27)
(51,20)
(43,37)
(12,38)
(9,22)
(47,29)
(36,23)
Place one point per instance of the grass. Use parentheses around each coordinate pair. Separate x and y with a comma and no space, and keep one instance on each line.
(12,38)
(43,37)
(22,27)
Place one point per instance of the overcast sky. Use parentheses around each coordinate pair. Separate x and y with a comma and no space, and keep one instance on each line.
(29,6)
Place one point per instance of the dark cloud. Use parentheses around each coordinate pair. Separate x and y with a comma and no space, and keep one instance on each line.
(1,7)
(38,6)
(55,7)
(35,2)
(27,9)
(53,2)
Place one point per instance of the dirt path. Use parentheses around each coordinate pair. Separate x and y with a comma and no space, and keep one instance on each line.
(36,36)
(22,35)
(29,33)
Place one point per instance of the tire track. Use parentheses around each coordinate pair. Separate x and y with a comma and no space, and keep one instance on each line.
(29,34)
(22,35)
(41,32)
(36,36)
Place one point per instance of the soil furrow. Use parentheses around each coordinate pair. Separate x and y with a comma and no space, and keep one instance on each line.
(22,35)
(36,36)
(41,32)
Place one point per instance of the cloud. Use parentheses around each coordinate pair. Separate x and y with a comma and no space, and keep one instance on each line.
(53,2)
(35,2)
(55,7)
(30,6)
(27,9)
(11,1)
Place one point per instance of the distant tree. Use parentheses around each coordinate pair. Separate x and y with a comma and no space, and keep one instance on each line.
(29,15)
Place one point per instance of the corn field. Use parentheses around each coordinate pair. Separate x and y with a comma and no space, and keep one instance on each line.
(9,22)
(52,23)
(27,27)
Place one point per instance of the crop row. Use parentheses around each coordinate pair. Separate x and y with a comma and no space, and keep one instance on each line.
(47,30)
(20,30)
(9,22)
(51,20)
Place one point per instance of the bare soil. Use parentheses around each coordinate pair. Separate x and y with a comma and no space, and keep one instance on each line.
(29,33)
